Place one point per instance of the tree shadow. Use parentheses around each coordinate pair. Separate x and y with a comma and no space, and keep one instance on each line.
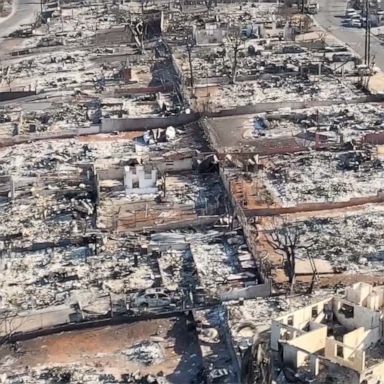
(190,368)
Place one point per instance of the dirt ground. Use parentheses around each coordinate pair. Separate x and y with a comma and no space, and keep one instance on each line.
(252,194)
(102,348)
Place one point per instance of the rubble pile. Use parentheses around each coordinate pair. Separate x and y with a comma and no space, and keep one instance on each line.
(215,256)
(114,206)
(205,192)
(349,120)
(251,92)
(79,375)
(177,269)
(52,276)
(349,242)
(145,353)
(324,176)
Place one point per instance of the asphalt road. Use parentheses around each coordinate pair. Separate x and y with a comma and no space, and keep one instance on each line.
(24,12)
(330,18)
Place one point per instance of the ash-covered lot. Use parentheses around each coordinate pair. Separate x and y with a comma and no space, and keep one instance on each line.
(277,90)
(324,176)
(305,128)
(351,242)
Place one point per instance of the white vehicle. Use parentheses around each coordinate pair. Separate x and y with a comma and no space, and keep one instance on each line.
(152,298)
(356,23)
(312,7)
(351,12)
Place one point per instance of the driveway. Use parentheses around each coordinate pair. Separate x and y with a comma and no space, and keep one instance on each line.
(24,12)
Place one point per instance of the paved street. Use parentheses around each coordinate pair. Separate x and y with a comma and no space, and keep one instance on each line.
(25,12)
(330,18)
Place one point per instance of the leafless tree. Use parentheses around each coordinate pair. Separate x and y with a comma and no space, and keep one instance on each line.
(137,27)
(322,38)
(140,30)
(234,43)
(135,23)
(288,240)
(9,324)
(9,79)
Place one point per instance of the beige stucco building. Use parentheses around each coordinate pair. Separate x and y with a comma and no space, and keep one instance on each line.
(336,334)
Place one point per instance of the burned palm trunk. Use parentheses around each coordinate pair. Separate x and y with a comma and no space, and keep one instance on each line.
(141,31)
(234,66)
(189,46)
(234,43)
(256,366)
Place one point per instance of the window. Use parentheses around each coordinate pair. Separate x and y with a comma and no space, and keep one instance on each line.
(314,312)
(347,311)
(290,320)
(339,351)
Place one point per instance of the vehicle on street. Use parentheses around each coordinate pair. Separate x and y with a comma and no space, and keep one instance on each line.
(342,57)
(336,48)
(356,23)
(351,12)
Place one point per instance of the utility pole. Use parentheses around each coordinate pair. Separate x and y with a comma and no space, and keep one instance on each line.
(189,46)
(367,50)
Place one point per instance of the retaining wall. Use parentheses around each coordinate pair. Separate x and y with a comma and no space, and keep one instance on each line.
(311,207)
(142,124)
(12,95)
(109,321)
